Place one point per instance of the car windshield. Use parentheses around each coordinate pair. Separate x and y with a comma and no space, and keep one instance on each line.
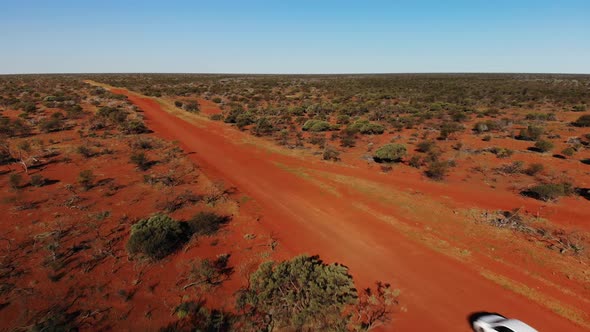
(502,329)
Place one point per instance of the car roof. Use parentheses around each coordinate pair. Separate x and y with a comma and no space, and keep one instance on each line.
(515,325)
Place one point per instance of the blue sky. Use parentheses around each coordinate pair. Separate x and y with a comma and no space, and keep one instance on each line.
(284,36)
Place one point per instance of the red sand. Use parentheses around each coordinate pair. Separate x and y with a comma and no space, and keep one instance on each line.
(439,292)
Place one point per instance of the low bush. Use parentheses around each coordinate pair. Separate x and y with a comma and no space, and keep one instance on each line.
(206,223)
(37,180)
(390,153)
(316,125)
(331,154)
(86,179)
(582,121)
(549,191)
(543,145)
(530,133)
(156,237)
(14,181)
(437,170)
(366,127)
(534,169)
(569,151)
(140,160)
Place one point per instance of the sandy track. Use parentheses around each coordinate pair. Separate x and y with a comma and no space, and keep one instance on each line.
(439,292)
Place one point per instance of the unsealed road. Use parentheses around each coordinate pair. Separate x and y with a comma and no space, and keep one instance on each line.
(438,292)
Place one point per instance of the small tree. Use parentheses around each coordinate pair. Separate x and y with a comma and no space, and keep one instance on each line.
(390,153)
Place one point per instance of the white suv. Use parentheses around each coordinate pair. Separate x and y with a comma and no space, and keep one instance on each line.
(497,323)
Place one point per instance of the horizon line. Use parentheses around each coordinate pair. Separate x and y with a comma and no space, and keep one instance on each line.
(299,74)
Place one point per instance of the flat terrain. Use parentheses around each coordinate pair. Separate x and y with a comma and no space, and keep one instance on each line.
(483,205)
(319,208)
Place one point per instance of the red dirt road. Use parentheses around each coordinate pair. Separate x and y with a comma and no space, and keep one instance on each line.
(437,291)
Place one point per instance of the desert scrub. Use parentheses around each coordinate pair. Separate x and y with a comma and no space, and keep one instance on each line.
(156,237)
(316,125)
(86,179)
(549,191)
(390,153)
(543,145)
(206,223)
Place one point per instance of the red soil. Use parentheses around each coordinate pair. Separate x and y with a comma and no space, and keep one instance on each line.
(439,292)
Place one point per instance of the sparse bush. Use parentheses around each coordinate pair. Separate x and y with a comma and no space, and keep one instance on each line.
(582,121)
(502,152)
(206,223)
(534,169)
(86,179)
(14,181)
(156,237)
(426,146)
(389,153)
(487,138)
(543,145)
(530,133)
(331,154)
(415,161)
(135,127)
(437,170)
(569,151)
(85,151)
(579,108)
(449,128)
(549,191)
(37,180)
(140,160)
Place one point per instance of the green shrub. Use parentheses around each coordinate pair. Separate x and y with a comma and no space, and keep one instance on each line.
(549,191)
(366,127)
(316,125)
(206,223)
(301,294)
(135,127)
(244,119)
(449,128)
(543,145)
(531,133)
(569,151)
(156,237)
(582,121)
(389,153)
(579,108)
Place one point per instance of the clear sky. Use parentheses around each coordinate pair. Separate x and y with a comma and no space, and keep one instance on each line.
(303,36)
